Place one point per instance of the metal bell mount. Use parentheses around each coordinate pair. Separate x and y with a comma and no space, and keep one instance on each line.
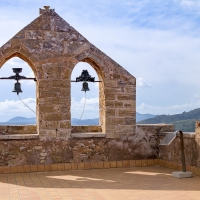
(85,77)
(17,77)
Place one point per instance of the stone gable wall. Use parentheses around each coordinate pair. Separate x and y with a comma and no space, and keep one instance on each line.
(52,48)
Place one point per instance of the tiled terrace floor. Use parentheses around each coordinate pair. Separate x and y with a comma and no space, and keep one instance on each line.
(118,183)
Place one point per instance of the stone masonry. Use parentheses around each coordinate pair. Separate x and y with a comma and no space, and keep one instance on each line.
(52,48)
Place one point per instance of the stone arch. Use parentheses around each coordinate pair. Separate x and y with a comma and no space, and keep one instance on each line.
(102,104)
(21,53)
(27,97)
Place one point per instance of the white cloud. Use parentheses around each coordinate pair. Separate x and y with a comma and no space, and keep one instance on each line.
(189,3)
(11,108)
(142,83)
(174,109)
(91,108)
(29,82)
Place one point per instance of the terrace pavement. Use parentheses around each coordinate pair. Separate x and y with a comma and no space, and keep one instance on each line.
(153,183)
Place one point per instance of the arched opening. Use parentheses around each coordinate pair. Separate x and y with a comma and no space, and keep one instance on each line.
(12,109)
(84,111)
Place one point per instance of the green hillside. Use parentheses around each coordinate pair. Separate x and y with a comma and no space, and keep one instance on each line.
(185,121)
(185,125)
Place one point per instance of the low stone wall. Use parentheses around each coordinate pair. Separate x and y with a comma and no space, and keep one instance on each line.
(86,129)
(143,144)
(25,129)
(172,152)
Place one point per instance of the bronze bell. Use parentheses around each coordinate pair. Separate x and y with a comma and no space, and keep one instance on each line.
(17,88)
(85,87)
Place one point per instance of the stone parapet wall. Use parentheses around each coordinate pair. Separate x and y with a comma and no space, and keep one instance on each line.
(172,152)
(143,144)
(78,166)
(17,129)
(52,48)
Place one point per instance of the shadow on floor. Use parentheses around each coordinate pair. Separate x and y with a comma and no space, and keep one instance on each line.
(136,178)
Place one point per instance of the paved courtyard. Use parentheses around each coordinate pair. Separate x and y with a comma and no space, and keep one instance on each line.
(118,183)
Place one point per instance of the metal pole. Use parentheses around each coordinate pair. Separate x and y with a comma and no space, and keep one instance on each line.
(182,152)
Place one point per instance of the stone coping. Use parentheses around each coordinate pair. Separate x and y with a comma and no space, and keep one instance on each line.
(185,134)
(86,128)
(19,136)
(178,167)
(88,135)
(78,166)
(155,125)
(96,165)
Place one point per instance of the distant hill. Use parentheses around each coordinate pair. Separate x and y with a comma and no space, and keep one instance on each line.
(19,121)
(140,117)
(95,121)
(83,122)
(25,121)
(185,125)
(185,121)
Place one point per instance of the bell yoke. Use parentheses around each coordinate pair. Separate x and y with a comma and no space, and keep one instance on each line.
(17,77)
(85,77)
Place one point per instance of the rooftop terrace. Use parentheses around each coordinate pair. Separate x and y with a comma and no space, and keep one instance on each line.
(141,183)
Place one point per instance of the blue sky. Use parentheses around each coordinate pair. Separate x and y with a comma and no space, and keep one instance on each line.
(157,41)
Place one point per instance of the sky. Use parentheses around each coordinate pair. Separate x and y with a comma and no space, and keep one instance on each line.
(157,41)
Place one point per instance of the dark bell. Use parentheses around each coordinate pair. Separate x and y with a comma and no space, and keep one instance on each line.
(85,87)
(17,88)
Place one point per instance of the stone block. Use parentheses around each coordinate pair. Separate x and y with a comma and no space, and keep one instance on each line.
(150,162)
(6,170)
(1,170)
(119,164)
(81,166)
(93,165)
(68,166)
(106,165)
(132,163)
(27,168)
(126,113)
(100,165)
(197,171)
(87,165)
(113,164)
(40,168)
(53,117)
(61,167)
(156,161)
(126,97)
(47,168)
(110,97)
(13,169)
(126,163)
(190,168)
(138,163)
(74,166)
(20,169)
(65,124)
(54,167)
(180,174)
(144,163)
(34,168)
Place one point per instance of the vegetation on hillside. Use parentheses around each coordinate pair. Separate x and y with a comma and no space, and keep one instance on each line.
(185,121)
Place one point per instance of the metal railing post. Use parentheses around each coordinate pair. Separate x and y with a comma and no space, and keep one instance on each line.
(182,152)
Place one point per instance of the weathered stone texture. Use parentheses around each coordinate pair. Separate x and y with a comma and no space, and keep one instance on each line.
(172,152)
(141,145)
(52,48)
